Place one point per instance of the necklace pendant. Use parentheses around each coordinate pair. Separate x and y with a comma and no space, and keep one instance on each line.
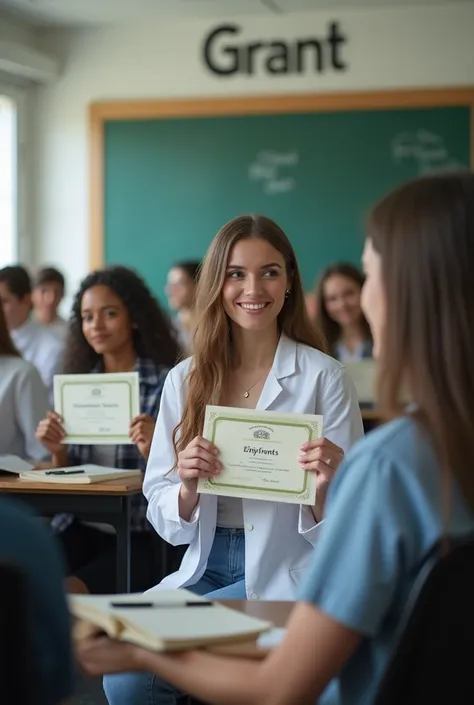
(246,395)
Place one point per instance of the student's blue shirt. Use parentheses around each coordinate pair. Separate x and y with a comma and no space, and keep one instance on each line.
(26,542)
(385,510)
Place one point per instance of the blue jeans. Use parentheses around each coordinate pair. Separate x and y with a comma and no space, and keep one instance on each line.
(224,579)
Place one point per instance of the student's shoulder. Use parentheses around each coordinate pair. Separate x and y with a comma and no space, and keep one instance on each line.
(14,367)
(177,375)
(317,361)
(27,538)
(394,447)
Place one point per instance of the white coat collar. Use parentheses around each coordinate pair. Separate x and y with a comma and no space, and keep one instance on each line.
(284,365)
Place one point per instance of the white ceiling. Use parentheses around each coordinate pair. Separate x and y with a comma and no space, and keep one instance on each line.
(94,12)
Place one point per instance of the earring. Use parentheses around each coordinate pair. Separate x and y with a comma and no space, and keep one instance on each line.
(287,293)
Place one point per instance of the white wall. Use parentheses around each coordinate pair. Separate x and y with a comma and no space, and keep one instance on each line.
(389,48)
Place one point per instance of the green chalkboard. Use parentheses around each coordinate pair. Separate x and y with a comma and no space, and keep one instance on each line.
(171,183)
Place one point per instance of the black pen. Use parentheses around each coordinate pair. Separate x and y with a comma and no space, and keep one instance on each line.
(65,472)
(163,605)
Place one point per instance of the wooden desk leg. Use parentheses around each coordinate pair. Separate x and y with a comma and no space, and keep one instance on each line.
(122,527)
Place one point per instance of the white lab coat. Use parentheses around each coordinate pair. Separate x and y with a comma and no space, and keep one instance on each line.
(279,538)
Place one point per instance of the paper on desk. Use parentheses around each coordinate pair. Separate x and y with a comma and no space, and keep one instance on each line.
(14,464)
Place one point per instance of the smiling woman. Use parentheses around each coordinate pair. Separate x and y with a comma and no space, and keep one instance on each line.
(254,347)
(116,326)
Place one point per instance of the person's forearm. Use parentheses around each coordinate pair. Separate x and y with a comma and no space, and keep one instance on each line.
(187,503)
(60,460)
(213,679)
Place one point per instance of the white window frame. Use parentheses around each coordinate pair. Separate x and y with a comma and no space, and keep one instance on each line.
(23,245)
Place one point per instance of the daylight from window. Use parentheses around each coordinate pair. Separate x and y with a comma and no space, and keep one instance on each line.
(8,181)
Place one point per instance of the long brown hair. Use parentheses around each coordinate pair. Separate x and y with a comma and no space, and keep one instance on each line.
(424,233)
(7,346)
(327,326)
(212,345)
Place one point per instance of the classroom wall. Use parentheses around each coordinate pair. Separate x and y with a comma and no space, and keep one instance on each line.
(391,48)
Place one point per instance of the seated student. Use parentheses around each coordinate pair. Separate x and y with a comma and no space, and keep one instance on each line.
(339,315)
(181,292)
(48,292)
(253,348)
(116,326)
(400,490)
(23,401)
(35,343)
(26,544)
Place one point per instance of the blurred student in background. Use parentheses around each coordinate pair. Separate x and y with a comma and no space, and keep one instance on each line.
(35,342)
(116,326)
(339,314)
(181,292)
(23,401)
(48,292)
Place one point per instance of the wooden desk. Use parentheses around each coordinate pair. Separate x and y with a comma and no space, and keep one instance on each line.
(108,502)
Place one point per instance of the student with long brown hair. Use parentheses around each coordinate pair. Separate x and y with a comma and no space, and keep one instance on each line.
(339,317)
(23,401)
(254,347)
(400,491)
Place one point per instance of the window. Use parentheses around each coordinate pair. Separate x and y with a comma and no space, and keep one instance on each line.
(8,181)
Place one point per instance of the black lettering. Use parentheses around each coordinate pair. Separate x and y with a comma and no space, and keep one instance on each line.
(251,49)
(225,58)
(301,47)
(210,57)
(277,61)
(335,39)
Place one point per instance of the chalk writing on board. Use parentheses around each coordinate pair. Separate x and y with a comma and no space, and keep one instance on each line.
(427,149)
(271,169)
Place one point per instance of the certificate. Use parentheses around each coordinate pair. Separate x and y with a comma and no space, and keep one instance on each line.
(97,408)
(259,452)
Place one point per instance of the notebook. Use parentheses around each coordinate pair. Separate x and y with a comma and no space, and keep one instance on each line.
(77,475)
(166,620)
(13,464)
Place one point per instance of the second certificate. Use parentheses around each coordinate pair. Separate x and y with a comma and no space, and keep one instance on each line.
(259,453)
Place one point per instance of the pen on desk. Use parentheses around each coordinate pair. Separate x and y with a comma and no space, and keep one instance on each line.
(163,605)
(65,472)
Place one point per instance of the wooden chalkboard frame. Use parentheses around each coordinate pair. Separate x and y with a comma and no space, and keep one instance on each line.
(102,112)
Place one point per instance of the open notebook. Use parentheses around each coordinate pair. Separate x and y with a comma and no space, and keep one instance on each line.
(14,465)
(166,620)
(77,475)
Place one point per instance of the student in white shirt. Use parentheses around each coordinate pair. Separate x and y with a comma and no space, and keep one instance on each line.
(339,315)
(48,292)
(23,401)
(254,347)
(35,343)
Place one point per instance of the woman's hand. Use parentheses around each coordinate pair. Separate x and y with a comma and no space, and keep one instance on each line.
(322,457)
(198,459)
(50,433)
(142,428)
(98,655)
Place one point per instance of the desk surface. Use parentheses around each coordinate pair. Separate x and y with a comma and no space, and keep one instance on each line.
(127,486)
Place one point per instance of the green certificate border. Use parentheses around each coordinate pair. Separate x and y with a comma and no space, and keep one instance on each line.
(215,418)
(119,440)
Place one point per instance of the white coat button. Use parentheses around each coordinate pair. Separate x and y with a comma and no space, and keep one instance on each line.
(249,527)
(254,596)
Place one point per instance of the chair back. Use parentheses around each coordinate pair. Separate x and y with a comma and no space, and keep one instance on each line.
(434,647)
(16,682)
